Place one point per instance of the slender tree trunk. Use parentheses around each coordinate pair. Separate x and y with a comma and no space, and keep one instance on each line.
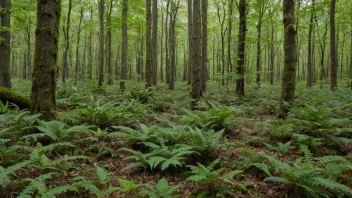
(155,43)
(241,49)
(149,54)
(205,44)
(124,44)
(5,48)
(90,50)
(161,48)
(172,39)
(190,39)
(66,31)
(83,72)
(109,55)
(333,54)
(101,43)
(196,62)
(290,64)
(43,99)
(29,56)
(310,56)
(272,54)
(258,64)
(78,42)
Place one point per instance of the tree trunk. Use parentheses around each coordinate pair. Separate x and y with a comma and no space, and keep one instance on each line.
(190,39)
(109,55)
(290,64)
(6,95)
(29,56)
(90,50)
(66,31)
(161,48)
(101,43)
(241,49)
(310,56)
(154,48)
(43,99)
(172,39)
(149,54)
(124,41)
(205,44)
(5,48)
(333,54)
(78,41)
(196,57)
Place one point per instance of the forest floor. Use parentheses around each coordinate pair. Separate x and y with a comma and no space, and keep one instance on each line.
(144,143)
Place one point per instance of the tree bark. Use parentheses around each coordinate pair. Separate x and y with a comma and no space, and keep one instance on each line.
(109,54)
(205,45)
(333,54)
(190,39)
(124,41)
(172,39)
(42,97)
(149,54)
(90,50)
(310,56)
(290,64)
(66,31)
(196,56)
(241,49)
(5,48)
(155,43)
(101,42)
(78,42)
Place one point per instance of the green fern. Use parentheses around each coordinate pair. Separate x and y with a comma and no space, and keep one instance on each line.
(212,180)
(56,131)
(36,185)
(281,147)
(6,173)
(103,176)
(161,190)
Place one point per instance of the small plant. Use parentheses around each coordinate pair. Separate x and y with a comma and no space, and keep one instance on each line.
(134,137)
(56,131)
(98,114)
(161,190)
(205,142)
(217,117)
(6,173)
(4,107)
(304,176)
(142,95)
(128,186)
(281,147)
(162,157)
(213,180)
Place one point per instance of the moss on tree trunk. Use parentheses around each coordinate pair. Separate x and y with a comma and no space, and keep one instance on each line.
(7,95)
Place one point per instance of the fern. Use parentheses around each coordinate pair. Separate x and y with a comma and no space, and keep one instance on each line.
(56,131)
(5,173)
(161,190)
(281,147)
(36,185)
(213,180)
(103,176)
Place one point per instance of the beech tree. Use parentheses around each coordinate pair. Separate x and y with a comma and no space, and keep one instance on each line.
(42,97)
(5,52)
(333,54)
(241,49)
(290,62)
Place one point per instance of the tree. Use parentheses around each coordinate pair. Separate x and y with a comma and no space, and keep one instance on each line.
(310,52)
(66,31)
(260,7)
(196,56)
(205,44)
(190,39)
(155,43)
(241,49)
(101,42)
(148,64)
(172,41)
(290,62)
(42,97)
(109,54)
(5,51)
(124,44)
(333,54)
(79,30)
